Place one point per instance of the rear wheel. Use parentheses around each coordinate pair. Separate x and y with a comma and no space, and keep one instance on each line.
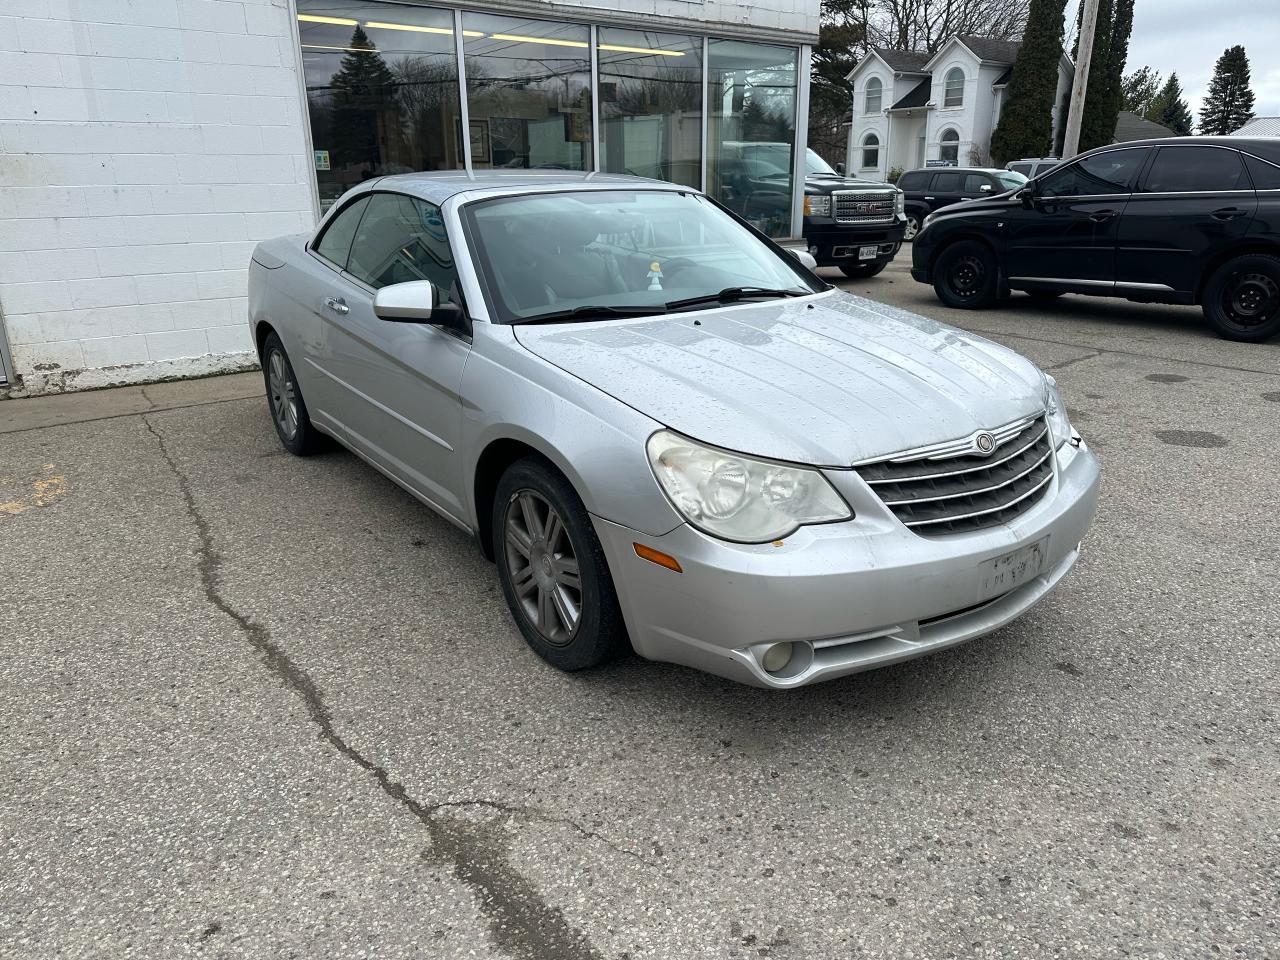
(1242,298)
(553,570)
(284,399)
(965,275)
(860,271)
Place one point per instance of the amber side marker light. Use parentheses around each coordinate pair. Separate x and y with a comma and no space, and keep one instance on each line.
(658,557)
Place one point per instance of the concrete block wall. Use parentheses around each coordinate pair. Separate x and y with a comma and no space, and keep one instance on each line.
(145,147)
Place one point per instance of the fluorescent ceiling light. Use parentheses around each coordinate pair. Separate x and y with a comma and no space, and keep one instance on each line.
(322,46)
(547,40)
(340,21)
(620,49)
(414,28)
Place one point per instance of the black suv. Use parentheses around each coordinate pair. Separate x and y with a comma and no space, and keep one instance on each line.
(937,187)
(1186,220)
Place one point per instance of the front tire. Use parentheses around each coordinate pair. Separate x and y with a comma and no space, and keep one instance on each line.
(553,570)
(284,400)
(1242,298)
(965,275)
(861,271)
(913,227)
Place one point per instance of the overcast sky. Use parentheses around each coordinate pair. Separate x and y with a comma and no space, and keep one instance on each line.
(1188,36)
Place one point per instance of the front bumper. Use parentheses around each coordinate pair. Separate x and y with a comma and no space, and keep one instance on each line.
(833,245)
(857,595)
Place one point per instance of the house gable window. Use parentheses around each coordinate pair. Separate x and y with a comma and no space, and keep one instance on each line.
(870,152)
(874,95)
(953,95)
(949,146)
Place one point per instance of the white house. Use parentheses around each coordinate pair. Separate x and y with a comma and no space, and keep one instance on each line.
(912,108)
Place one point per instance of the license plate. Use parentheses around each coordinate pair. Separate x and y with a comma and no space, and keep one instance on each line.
(867,253)
(1012,570)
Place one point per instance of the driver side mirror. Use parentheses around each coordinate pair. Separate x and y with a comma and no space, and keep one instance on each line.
(418,301)
(1027,195)
(805,257)
(985,188)
(840,169)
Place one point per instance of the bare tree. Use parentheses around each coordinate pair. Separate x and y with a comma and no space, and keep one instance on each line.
(924,25)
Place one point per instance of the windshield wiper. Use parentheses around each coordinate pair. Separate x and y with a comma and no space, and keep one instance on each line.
(592,312)
(730,294)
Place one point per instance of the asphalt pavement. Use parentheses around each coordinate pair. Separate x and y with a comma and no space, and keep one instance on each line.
(259,706)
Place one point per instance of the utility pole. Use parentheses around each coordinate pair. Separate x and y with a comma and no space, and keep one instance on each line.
(1084,56)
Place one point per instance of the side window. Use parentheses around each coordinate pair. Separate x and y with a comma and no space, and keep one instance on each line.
(402,239)
(974,182)
(1104,173)
(1184,169)
(1265,176)
(946,182)
(335,242)
(911,181)
(1022,168)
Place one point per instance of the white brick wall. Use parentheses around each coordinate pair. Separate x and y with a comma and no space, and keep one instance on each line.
(145,146)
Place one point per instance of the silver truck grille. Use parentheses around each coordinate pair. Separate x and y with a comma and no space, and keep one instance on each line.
(851,207)
(959,489)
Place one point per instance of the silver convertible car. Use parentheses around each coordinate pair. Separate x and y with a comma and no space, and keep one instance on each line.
(667,432)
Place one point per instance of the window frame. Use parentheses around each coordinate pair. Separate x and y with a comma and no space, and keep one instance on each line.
(1149,168)
(866,146)
(447,239)
(866,96)
(313,245)
(943,143)
(947,82)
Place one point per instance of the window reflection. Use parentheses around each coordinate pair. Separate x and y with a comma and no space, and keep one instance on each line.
(382,90)
(651,105)
(752,133)
(528,93)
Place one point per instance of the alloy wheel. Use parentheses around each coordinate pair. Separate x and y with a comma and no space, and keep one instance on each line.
(1251,299)
(966,277)
(543,567)
(283,394)
(913,227)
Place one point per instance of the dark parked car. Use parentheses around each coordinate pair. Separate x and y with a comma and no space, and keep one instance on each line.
(1032,167)
(936,187)
(1191,220)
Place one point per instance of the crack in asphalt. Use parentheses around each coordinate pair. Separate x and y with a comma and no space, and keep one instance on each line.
(522,923)
(1074,360)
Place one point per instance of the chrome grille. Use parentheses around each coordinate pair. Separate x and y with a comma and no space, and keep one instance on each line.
(952,489)
(852,207)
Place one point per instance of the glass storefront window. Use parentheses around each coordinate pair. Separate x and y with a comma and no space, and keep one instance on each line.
(528,92)
(752,105)
(382,90)
(650,104)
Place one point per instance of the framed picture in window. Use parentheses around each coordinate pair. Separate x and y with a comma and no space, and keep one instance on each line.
(479,141)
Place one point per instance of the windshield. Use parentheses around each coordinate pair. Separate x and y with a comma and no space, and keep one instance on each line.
(629,251)
(815,164)
(1011,179)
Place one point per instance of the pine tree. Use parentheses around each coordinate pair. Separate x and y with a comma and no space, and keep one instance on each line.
(1229,104)
(1170,109)
(1138,91)
(362,89)
(1024,127)
(1106,73)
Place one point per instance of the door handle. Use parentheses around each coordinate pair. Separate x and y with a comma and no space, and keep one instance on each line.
(1227,213)
(931,198)
(337,305)
(1102,216)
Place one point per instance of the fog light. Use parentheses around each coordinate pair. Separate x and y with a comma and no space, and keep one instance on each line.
(776,657)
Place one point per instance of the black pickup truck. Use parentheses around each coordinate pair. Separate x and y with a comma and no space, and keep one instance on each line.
(856,225)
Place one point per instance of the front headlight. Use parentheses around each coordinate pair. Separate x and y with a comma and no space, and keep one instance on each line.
(815,206)
(900,203)
(1056,413)
(740,498)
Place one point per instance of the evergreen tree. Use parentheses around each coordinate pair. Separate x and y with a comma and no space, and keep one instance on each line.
(1024,126)
(362,89)
(1229,104)
(1106,73)
(1138,91)
(842,33)
(1170,109)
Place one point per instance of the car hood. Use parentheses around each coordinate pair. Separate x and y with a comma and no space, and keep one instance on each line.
(830,380)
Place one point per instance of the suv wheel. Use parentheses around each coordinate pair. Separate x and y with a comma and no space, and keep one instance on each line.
(860,271)
(284,399)
(965,275)
(1242,298)
(913,227)
(553,570)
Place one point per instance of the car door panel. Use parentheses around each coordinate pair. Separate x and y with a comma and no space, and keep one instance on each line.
(1169,229)
(395,385)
